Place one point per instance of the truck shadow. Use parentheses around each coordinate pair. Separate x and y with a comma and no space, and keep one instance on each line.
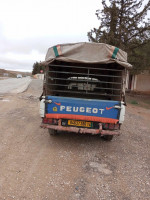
(73,138)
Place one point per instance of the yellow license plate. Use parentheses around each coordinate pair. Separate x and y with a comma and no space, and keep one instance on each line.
(79,123)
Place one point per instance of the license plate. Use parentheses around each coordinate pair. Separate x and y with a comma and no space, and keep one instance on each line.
(79,123)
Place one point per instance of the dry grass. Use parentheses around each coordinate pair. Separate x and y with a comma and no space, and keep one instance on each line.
(12,74)
(139,99)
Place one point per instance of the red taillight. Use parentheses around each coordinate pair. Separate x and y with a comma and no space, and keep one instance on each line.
(47,120)
(111,126)
(50,121)
(106,126)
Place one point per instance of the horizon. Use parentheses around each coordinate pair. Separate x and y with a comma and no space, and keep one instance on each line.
(35,26)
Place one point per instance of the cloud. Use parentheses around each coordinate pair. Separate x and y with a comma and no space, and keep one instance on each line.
(23,53)
(23,59)
(28,28)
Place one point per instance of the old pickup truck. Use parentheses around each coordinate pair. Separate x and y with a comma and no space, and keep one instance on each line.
(84,89)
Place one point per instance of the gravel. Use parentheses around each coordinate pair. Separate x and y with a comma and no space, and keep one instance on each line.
(69,166)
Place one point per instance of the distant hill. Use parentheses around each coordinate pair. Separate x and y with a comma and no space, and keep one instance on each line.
(13,74)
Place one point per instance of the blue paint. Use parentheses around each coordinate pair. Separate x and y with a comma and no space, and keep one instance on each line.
(78,106)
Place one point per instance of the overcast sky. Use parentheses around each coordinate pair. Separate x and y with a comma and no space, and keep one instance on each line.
(29,27)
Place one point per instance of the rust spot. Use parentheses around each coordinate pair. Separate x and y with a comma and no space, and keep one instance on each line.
(80,130)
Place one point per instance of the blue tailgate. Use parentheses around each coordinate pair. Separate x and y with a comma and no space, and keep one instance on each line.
(82,109)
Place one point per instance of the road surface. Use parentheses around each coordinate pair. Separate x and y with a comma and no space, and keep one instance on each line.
(68,166)
(14,85)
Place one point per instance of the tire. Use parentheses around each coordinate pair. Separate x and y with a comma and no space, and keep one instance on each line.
(107,137)
(52,131)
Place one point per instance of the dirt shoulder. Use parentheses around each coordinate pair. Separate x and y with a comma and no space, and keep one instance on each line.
(140,105)
(69,166)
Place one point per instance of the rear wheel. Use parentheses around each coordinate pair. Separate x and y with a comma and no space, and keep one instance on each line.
(52,132)
(107,137)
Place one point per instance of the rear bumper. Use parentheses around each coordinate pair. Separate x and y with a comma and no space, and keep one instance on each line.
(81,130)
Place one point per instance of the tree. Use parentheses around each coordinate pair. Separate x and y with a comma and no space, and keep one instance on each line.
(37,68)
(140,58)
(122,24)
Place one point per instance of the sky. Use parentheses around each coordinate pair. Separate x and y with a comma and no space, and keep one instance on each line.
(29,27)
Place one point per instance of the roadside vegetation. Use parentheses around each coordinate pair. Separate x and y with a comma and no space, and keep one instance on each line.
(124,24)
(142,100)
(38,68)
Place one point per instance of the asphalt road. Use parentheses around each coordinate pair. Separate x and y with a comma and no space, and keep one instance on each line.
(14,85)
(69,166)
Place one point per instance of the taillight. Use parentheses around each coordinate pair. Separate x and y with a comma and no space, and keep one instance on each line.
(110,126)
(50,121)
(47,120)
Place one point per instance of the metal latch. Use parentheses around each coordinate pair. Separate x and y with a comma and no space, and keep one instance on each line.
(48,101)
(117,107)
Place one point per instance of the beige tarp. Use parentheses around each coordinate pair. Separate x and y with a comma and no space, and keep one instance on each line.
(87,53)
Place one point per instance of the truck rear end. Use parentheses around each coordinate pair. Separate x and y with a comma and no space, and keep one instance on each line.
(83,96)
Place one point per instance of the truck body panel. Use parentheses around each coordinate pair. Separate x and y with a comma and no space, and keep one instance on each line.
(82,109)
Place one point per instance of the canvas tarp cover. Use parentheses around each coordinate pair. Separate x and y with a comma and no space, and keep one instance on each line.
(98,53)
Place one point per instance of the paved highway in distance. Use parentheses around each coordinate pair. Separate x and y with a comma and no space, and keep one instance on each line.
(14,85)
